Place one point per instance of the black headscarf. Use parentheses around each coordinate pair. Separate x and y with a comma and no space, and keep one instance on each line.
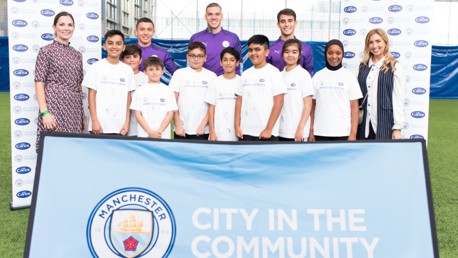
(330,43)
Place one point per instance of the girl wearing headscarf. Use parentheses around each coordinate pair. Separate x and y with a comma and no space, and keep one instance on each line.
(382,84)
(335,103)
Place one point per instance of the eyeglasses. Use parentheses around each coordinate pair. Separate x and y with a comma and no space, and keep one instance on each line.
(198,57)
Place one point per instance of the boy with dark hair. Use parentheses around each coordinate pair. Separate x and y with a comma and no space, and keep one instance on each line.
(221,98)
(190,85)
(110,83)
(286,22)
(260,95)
(144,30)
(132,56)
(154,103)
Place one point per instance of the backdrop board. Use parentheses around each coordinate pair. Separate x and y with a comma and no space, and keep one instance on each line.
(121,197)
(29,28)
(408,25)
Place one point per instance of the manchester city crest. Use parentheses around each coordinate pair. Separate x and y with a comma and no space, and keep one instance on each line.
(131,222)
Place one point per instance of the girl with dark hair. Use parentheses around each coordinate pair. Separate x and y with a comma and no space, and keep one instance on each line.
(335,104)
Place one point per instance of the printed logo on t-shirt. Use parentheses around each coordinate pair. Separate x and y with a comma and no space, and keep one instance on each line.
(293,84)
(262,80)
(341,84)
(162,100)
(122,79)
(225,43)
(204,82)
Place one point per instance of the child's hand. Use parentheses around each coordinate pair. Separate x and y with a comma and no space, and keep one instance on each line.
(299,137)
(200,130)
(124,129)
(239,132)
(213,137)
(179,130)
(96,127)
(265,134)
(155,134)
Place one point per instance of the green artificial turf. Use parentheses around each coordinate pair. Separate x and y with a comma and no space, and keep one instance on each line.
(443,164)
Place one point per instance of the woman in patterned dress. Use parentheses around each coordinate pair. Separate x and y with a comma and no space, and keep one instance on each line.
(58,77)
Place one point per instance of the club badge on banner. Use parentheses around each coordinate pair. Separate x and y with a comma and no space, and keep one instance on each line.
(143,198)
(30,27)
(408,25)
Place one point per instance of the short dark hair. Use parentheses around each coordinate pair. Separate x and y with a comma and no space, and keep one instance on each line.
(286,11)
(230,50)
(194,45)
(291,42)
(112,33)
(131,50)
(144,19)
(153,61)
(56,18)
(259,39)
(212,5)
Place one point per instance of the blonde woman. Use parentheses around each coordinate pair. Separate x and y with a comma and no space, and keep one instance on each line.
(382,84)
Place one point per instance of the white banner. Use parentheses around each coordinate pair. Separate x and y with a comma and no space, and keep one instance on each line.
(408,25)
(30,27)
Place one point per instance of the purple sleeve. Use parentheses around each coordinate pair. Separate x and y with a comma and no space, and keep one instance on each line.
(169,63)
(307,58)
(41,66)
(238,47)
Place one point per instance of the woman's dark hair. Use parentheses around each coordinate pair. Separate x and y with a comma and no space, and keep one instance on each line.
(56,18)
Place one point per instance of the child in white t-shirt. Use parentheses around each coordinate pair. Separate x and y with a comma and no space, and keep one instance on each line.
(154,102)
(294,117)
(190,85)
(132,56)
(110,83)
(221,98)
(260,96)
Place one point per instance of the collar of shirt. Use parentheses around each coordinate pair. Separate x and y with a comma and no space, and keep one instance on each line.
(378,64)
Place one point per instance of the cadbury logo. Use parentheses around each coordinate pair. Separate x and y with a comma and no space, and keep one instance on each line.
(20,48)
(395,54)
(21,72)
(349,32)
(47,12)
(349,54)
(22,121)
(47,36)
(416,136)
(393,32)
(419,91)
(375,20)
(422,19)
(418,114)
(19,23)
(92,38)
(22,146)
(24,194)
(23,170)
(92,16)
(92,60)
(350,9)
(21,97)
(394,8)
(421,43)
(420,67)
(66,2)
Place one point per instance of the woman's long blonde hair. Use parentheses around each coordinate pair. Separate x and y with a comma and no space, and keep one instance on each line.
(389,59)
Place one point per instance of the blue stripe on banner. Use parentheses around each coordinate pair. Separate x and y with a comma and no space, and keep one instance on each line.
(356,199)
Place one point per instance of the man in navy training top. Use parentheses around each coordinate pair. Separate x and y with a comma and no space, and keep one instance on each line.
(286,22)
(215,39)
(145,31)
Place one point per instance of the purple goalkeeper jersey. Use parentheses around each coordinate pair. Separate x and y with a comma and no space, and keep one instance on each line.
(153,50)
(215,43)
(276,59)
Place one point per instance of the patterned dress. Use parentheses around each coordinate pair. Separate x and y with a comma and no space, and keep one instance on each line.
(60,67)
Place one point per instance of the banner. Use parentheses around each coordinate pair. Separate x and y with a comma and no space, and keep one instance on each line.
(118,197)
(408,25)
(29,28)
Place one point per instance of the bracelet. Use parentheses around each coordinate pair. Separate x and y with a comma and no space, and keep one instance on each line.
(44,113)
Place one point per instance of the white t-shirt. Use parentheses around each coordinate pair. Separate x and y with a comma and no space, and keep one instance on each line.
(140,79)
(333,92)
(258,88)
(192,87)
(221,94)
(299,85)
(154,101)
(113,83)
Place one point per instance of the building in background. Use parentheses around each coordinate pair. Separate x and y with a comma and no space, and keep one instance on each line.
(318,20)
